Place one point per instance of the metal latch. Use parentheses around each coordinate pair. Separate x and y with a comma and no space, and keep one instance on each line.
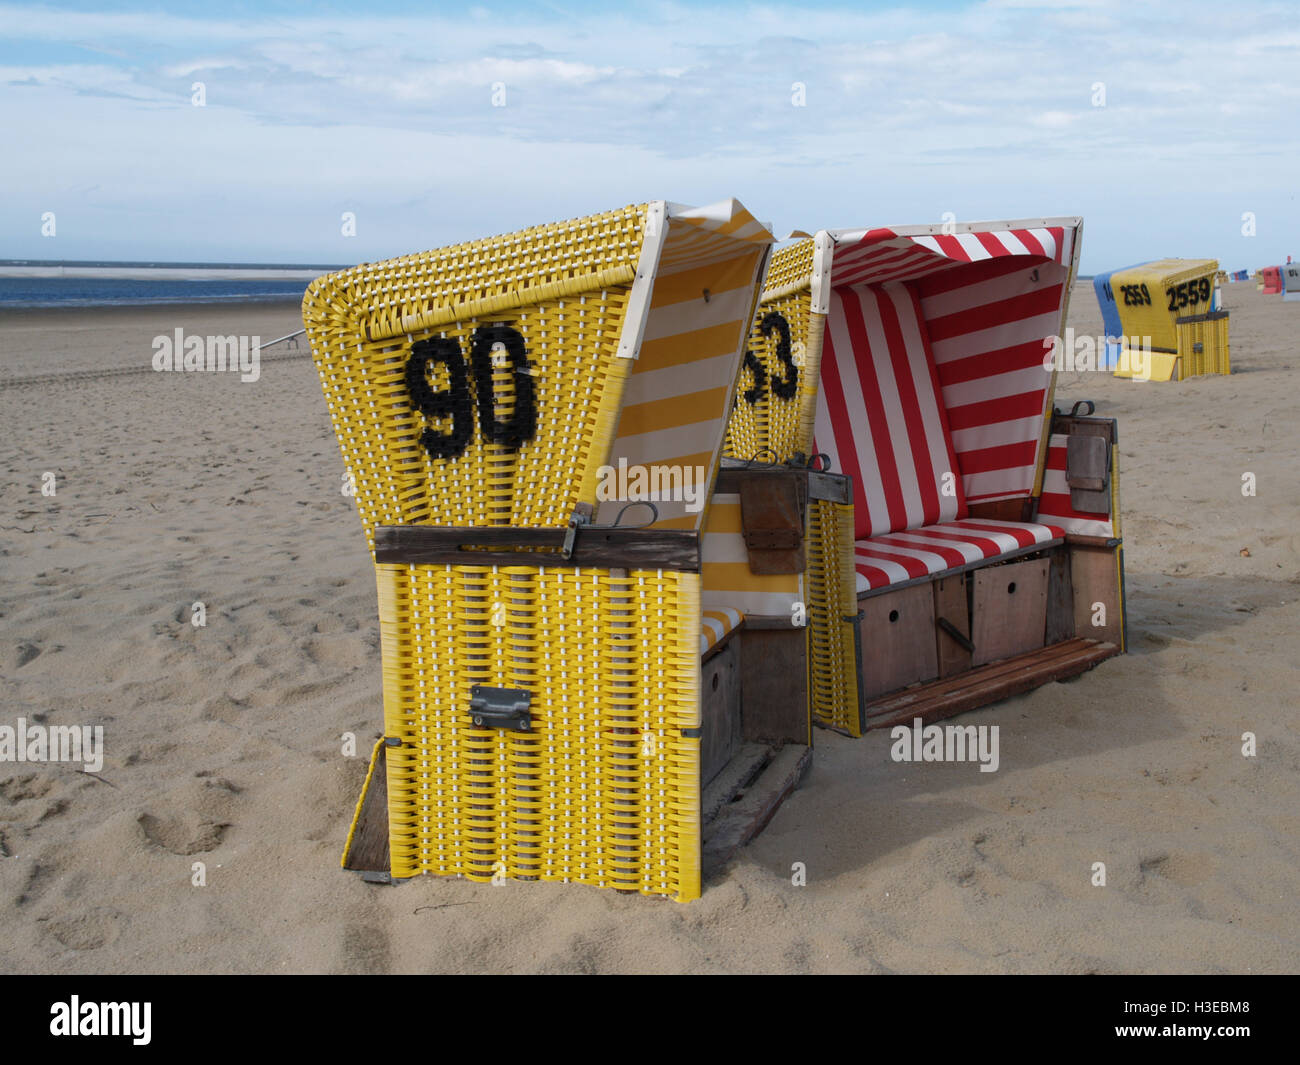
(506,708)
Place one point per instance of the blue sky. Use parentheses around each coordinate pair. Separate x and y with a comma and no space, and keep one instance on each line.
(984,109)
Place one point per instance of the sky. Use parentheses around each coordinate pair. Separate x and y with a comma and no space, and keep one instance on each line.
(1173,128)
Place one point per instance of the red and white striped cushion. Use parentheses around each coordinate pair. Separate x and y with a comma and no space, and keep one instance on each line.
(878,412)
(1054,504)
(903,556)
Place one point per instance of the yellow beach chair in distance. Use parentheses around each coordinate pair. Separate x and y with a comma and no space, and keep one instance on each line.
(542,641)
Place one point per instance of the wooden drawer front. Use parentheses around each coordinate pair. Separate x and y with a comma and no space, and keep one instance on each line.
(951,604)
(1009,610)
(719,709)
(898,646)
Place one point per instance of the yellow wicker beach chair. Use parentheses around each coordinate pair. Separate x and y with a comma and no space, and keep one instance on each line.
(534,424)
(1171,325)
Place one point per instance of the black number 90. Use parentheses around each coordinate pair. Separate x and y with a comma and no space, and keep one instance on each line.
(457,403)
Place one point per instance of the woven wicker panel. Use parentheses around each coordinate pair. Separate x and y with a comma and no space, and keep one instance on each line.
(604,789)
(1203,347)
(831,584)
(791,267)
(562,290)
(776,400)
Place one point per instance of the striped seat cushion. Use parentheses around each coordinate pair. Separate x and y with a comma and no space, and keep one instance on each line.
(882,561)
(716,625)
(879,416)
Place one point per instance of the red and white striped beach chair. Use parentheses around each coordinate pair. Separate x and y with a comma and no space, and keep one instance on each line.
(986,528)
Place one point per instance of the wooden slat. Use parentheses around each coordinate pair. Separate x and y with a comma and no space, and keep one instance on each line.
(601,548)
(740,821)
(950,603)
(369,850)
(719,710)
(774,686)
(742,769)
(988,684)
(1002,509)
(1060,600)
(1095,578)
(833,486)
(1091,541)
(773,512)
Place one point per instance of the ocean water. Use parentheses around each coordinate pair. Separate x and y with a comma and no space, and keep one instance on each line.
(25,284)
(79,292)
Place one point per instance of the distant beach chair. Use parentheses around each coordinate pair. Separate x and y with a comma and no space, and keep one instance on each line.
(564,673)
(1110,316)
(1291,282)
(1176,303)
(1268,279)
(978,552)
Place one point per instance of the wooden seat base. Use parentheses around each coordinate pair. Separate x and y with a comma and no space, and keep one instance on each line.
(986,684)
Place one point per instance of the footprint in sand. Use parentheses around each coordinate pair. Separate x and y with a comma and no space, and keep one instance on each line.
(86,931)
(191,819)
(22,653)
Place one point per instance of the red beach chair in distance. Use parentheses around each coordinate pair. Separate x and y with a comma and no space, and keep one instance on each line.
(987,550)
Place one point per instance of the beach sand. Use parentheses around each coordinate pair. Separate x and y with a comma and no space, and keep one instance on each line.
(223,743)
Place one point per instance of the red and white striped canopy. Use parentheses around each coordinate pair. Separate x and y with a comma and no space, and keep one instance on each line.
(905,253)
(934,362)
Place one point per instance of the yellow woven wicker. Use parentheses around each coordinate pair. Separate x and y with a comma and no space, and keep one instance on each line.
(493,384)
(832,600)
(777,398)
(603,789)
(363,323)
(1203,345)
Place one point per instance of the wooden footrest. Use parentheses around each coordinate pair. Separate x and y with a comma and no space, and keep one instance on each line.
(740,802)
(987,684)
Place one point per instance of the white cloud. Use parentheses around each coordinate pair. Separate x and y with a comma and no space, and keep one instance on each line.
(988,104)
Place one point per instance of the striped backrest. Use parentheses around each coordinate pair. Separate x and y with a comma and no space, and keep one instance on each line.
(990,326)
(879,416)
(680,390)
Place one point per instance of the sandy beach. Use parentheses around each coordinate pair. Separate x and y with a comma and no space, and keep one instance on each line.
(223,742)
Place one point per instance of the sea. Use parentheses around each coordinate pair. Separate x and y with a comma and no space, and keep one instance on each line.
(26,283)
